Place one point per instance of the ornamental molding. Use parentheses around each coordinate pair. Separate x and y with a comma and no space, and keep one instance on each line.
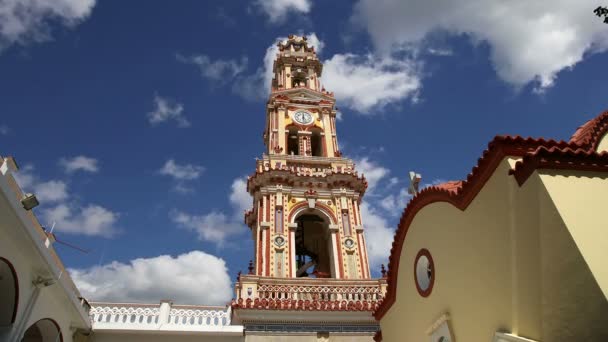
(265,225)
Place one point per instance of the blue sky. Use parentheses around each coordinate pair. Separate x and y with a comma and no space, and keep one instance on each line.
(115,111)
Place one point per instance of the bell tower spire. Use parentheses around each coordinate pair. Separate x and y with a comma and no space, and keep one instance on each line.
(300,115)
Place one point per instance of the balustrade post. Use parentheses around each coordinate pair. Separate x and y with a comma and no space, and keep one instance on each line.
(163,312)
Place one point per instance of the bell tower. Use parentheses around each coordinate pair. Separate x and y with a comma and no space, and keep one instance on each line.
(306,226)
(306,219)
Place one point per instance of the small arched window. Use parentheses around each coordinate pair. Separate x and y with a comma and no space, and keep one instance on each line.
(292,142)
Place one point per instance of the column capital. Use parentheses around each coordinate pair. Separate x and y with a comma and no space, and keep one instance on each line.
(292,226)
(265,225)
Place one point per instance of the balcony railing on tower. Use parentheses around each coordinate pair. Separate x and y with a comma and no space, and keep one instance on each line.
(309,294)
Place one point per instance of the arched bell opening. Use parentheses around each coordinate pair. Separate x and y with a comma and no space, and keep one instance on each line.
(316,143)
(293,147)
(313,246)
(44,330)
(9,294)
(299,79)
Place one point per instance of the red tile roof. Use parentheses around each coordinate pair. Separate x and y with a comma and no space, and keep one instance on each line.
(577,154)
(589,134)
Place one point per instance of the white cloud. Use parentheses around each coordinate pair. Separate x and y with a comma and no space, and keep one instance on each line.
(372,171)
(191,278)
(366,83)
(219,70)
(217,226)
(530,41)
(394,203)
(213,227)
(24,21)
(77,163)
(277,10)
(4,130)
(51,191)
(165,110)
(57,206)
(93,220)
(181,172)
(378,236)
(46,192)
(239,197)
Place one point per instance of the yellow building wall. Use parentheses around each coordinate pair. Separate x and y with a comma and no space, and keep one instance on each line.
(603,145)
(574,243)
(511,262)
(471,254)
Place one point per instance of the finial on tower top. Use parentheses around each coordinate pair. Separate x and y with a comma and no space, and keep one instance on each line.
(383,271)
(250,267)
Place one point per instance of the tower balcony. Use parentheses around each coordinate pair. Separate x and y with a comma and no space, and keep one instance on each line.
(308,294)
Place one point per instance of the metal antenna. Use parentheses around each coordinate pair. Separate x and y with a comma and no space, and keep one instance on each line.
(51,238)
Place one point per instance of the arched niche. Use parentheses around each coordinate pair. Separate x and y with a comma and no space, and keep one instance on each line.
(44,330)
(313,244)
(9,293)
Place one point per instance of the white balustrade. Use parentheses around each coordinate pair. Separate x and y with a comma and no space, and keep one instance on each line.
(167,317)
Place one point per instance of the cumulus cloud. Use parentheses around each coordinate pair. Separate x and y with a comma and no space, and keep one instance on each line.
(239,196)
(277,10)
(378,236)
(530,41)
(51,191)
(217,226)
(25,21)
(181,172)
(218,70)
(69,215)
(79,163)
(372,171)
(366,83)
(93,220)
(166,109)
(182,175)
(195,278)
(213,227)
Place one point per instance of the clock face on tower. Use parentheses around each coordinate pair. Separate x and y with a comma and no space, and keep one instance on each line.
(303,117)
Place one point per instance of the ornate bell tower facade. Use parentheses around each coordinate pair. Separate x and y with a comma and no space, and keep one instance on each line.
(305,222)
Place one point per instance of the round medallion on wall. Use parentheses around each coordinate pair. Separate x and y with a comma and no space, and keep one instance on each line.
(349,243)
(303,117)
(424,272)
(279,241)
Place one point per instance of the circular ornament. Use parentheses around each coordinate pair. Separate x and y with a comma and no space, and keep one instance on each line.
(279,241)
(424,272)
(349,243)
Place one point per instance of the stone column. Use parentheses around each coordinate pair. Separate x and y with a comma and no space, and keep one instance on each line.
(292,248)
(335,250)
